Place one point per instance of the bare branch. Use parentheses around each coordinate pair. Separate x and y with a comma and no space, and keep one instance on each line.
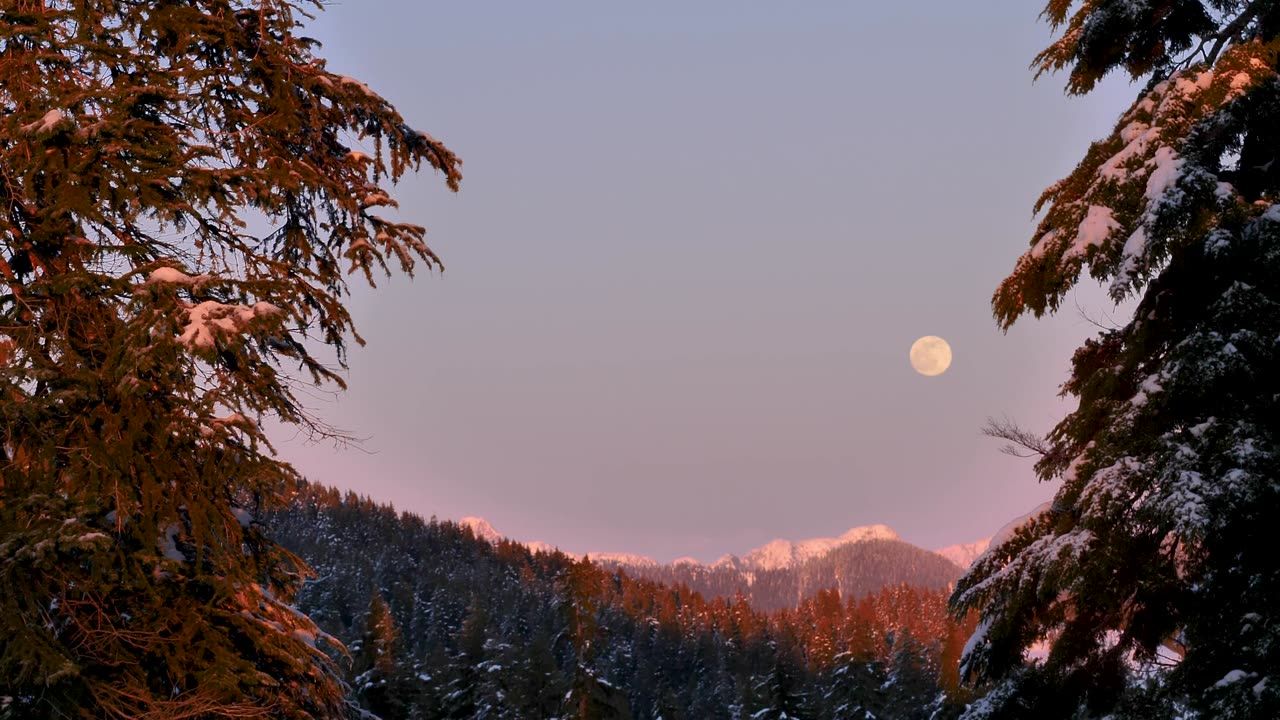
(1022,443)
(1110,323)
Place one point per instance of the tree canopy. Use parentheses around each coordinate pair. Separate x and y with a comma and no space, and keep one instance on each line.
(1148,581)
(185,189)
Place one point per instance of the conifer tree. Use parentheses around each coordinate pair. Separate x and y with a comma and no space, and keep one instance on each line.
(380,665)
(185,189)
(1153,563)
(466,697)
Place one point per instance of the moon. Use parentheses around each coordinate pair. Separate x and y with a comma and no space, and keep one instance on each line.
(930,355)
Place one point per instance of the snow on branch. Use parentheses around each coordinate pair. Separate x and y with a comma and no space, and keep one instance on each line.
(209,320)
(1127,201)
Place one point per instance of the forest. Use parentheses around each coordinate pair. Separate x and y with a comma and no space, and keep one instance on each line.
(191,204)
(441,624)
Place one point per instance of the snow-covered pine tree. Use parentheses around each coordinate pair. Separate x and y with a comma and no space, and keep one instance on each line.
(1155,561)
(146,326)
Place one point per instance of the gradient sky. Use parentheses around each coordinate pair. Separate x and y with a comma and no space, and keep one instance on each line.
(693,246)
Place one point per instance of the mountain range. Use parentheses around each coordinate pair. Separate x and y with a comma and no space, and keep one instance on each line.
(782,573)
(773,555)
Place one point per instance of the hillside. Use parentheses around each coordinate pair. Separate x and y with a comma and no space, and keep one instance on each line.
(442,623)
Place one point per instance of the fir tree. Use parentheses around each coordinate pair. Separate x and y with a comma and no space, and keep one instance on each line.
(590,696)
(1152,565)
(853,687)
(146,325)
(466,696)
(379,664)
(777,693)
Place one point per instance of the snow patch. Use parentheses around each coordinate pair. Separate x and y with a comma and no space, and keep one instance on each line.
(978,637)
(1150,386)
(1137,136)
(352,82)
(1231,678)
(48,122)
(1038,250)
(174,276)
(1097,226)
(1132,254)
(208,320)
(1005,533)
(1168,167)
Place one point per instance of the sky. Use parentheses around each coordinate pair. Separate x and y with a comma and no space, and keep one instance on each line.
(693,246)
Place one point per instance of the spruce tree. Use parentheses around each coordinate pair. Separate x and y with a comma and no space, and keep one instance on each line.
(382,680)
(1153,566)
(186,188)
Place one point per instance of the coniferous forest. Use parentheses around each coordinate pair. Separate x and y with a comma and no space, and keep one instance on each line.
(188,194)
(441,624)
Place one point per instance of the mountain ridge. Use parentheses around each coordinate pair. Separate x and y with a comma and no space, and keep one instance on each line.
(777,554)
(783,573)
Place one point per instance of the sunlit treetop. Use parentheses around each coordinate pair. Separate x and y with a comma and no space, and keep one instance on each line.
(1191,152)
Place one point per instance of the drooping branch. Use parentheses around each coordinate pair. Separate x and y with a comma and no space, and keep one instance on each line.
(1021,443)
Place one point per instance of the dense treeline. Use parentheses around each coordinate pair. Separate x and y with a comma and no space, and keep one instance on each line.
(440,624)
(854,569)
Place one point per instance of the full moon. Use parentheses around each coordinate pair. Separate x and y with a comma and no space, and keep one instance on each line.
(930,355)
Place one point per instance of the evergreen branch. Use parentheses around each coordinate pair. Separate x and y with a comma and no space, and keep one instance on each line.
(1235,27)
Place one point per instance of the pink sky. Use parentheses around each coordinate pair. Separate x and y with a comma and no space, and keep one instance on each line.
(691,251)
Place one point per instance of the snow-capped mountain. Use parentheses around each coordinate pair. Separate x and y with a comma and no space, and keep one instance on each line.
(782,573)
(964,554)
(774,555)
(779,554)
(538,547)
(481,528)
(638,561)
(484,530)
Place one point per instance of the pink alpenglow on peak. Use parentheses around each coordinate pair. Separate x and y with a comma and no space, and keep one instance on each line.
(964,554)
(622,559)
(779,554)
(775,555)
(481,528)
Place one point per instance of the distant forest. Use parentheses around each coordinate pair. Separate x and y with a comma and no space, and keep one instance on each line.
(441,624)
